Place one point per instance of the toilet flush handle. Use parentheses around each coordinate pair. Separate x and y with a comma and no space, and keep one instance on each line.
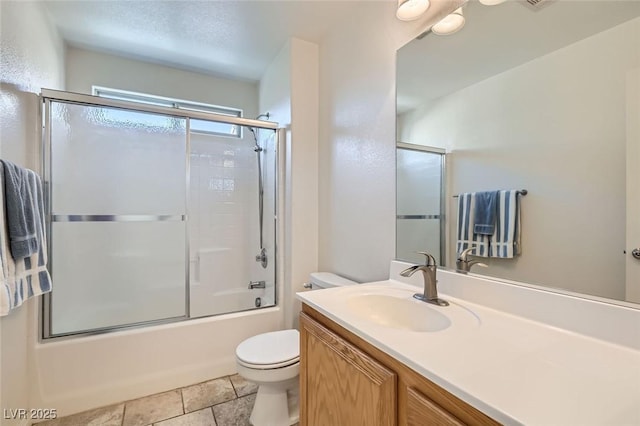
(307,285)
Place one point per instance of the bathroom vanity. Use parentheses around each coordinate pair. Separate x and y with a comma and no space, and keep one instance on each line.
(345,380)
(371,354)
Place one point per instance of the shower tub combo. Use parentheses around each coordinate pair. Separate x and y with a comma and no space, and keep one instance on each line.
(162,238)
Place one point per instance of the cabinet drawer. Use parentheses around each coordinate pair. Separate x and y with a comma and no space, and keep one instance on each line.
(423,411)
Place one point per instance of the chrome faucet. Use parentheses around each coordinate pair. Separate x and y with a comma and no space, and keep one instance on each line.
(464,262)
(430,294)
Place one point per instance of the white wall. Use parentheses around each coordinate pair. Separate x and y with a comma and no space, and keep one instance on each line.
(357,139)
(357,150)
(353,189)
(551,126)
(289,90)
(85,68)
(32,57)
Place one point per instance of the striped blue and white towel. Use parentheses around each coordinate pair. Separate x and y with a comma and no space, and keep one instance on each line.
(505,242)
(28,276)
(466,238)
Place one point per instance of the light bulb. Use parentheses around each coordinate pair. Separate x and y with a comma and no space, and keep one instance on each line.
(450,24)
(408,10)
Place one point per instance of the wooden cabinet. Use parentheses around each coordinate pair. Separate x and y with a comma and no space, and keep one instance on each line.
(341,384)
(346,381)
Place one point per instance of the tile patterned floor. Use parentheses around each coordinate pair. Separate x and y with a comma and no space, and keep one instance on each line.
(226,401)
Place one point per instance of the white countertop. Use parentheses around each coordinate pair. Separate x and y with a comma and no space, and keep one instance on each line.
(513,369)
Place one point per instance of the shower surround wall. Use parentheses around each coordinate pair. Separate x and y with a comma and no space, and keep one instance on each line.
(224,223)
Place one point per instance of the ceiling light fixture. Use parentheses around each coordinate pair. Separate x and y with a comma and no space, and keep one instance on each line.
(408,10)
(491,2)
(450,24)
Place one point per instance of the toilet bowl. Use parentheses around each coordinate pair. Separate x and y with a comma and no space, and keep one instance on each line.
(272,361)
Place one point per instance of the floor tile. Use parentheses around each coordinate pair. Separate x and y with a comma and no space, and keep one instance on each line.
(242,386)
(105,416)
(207,394)
(154,408)
(236,412)
(197,418)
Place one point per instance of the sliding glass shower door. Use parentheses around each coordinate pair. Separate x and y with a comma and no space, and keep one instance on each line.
(118,217)
(152,219)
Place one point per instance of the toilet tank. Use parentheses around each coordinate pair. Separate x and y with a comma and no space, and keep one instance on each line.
(318,280)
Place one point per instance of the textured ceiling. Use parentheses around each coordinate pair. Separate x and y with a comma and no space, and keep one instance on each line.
(234,38)
(497,38)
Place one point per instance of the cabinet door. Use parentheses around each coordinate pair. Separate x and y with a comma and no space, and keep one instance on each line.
(340,384)
(423,411)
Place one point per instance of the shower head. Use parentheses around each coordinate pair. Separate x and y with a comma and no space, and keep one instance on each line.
(257,147)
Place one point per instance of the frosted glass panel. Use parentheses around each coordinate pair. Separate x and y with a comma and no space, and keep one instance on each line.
(419,191)
(118,273)
(114,161)
(416,235)
(419,176)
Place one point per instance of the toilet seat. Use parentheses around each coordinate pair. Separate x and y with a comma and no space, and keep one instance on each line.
(269,366)
(272,350)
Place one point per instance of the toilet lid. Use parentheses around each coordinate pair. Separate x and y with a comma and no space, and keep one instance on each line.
(270,348)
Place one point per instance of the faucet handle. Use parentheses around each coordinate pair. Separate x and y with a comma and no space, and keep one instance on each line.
(465,253)
(430,260)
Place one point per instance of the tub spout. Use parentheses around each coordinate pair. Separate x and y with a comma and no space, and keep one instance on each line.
(257,284)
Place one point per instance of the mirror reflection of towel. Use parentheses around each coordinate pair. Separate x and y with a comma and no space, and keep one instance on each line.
(466,238)
(486,212)
(505,241)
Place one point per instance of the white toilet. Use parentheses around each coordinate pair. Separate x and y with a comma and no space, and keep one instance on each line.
(272,361)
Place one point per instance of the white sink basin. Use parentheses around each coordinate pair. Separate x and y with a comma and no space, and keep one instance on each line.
(404,313)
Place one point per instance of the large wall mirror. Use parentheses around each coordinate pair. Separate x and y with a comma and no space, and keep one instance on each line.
(545,99)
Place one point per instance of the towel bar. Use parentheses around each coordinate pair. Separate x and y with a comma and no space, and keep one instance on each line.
(520,192)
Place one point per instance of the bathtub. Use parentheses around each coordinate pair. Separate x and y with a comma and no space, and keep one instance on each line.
(86,372)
